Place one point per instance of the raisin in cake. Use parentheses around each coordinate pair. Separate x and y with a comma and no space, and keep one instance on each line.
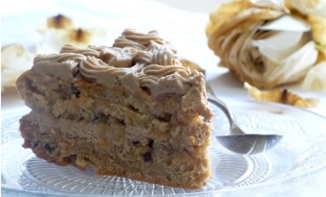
(129,110)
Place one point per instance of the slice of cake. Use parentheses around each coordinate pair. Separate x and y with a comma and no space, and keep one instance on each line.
(129,110)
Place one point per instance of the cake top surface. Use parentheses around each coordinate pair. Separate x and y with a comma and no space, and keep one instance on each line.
(136,60)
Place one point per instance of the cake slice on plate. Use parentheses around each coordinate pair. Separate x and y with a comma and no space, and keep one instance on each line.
(129,110)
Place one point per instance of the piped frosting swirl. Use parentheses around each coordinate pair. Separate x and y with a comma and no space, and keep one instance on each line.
(136,60)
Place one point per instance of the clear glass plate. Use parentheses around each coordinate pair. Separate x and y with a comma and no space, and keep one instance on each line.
(301,153)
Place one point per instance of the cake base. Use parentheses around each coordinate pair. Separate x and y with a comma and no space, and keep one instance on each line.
(86,124)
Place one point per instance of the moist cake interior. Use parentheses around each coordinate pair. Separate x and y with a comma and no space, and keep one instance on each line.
(129,110)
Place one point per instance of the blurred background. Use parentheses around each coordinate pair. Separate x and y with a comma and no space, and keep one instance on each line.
(204,6)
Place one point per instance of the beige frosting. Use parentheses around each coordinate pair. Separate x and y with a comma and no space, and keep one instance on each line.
(135,61)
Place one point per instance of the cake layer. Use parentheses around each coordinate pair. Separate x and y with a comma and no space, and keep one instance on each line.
(87,124)
(130,110)
(107,149)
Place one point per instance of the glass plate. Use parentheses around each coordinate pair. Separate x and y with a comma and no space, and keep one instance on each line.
(301,153)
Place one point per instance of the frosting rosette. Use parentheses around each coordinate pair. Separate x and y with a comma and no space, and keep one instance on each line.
(268,42)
